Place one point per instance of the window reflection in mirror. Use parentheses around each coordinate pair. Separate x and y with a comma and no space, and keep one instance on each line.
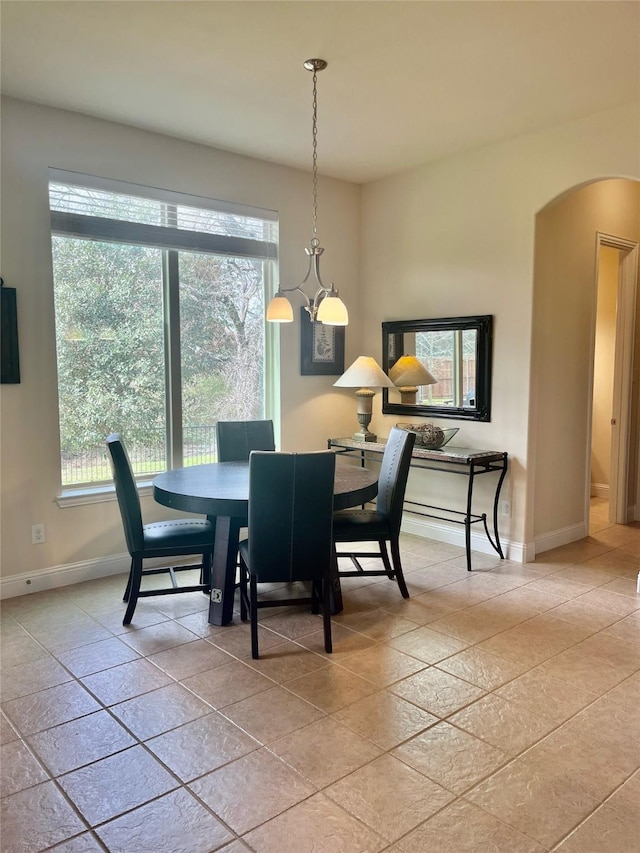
(456,352)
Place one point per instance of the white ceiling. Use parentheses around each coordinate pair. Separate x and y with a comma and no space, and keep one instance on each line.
(407,82)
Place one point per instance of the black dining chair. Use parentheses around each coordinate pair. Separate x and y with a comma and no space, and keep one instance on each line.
(236,439)
(381,524)
(290,532)
(174,538)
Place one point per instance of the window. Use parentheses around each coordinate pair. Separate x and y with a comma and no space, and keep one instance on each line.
(159,303)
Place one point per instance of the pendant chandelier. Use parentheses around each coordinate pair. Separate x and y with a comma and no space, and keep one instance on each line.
(325,306)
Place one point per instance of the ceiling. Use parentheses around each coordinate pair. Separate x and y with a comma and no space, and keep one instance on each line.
(407,82)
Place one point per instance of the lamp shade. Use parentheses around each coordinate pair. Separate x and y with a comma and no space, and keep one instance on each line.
(279,310)
(332,311)
(365,372)
(408,370)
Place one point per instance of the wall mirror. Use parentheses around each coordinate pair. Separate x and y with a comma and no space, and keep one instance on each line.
(441,368)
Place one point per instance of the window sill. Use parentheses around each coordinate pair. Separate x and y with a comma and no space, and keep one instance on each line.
(96,494)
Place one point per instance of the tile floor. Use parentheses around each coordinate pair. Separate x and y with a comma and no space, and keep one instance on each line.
(493,711)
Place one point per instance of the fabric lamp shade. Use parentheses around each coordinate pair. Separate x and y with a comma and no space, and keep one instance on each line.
(409,370)
(365,372)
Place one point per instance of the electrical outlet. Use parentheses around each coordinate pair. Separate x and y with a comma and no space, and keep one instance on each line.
(505,508)
(37,534)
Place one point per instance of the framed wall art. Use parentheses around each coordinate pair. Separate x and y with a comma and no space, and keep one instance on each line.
(9,353)
(321,348)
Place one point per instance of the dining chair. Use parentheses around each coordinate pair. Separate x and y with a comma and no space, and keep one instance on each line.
(175,538)
(381,524)
(290,532)
(236,439)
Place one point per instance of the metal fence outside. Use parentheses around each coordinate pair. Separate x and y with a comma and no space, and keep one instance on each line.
(147,457)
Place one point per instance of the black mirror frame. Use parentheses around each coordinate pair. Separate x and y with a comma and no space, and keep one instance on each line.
(483,324)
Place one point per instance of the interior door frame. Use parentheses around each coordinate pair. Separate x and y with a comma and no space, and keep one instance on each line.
(623,375)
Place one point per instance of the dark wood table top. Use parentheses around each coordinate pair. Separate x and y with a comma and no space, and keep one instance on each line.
(222,488)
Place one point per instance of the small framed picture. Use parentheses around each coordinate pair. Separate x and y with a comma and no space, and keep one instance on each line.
(9,357)
(321,348)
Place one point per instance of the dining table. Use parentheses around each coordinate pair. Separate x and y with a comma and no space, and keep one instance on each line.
(220,490)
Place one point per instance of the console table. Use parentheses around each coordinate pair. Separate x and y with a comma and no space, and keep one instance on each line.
(451,460)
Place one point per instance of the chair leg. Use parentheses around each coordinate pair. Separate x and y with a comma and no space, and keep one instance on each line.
(125,597)
(397,565)
(244,597)
(385,558)
(326,615)
(315,603)
(253,612)
(134,588)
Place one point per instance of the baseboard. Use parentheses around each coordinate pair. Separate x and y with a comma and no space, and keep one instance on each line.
(455,536)
(599,490)
(563,536)
(57,576)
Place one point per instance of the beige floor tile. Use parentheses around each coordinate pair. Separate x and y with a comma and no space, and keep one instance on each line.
(427,645)
(331,688)
(513,645)
(85,843)
(157,712)
(623,586)
(627,693)
(201,746)
(157,638)
(627,629)
(126,681)
(19,768)
(325,751)
(437,691)
(405,800)
(20,650)
(271,714)
(116,784)
(70,634)
(227,684)
(198,624)
(382,665)
(284,661)
(617,652)
(544,801)
(95,657)
(7,732)
(37,818)
(80,742)
(48,708)
(471,629)
(378,624)
(463,828)
(385,719)
(176,822)
(503,724)
(585,574)
(588,673)
(344,640)
(316,825)
(546,696)
(190,659)
(623,605)
(20,680)
(145,616)
(291,622)
(421,609)
(255,788)
(586,616)
(482,668)
(452,758)
(560,586)
(620,828)
(553,628)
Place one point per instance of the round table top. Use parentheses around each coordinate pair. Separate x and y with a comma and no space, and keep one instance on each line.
(222,488)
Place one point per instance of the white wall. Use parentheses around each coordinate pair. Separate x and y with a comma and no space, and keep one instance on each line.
(457,238)
(34,138)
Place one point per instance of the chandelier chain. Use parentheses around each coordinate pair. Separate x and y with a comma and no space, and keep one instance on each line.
(314,241)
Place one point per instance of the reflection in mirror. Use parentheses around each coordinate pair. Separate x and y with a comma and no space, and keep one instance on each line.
(441,368)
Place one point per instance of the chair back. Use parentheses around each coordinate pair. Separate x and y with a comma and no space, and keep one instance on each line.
(290,515)
(394,472)
(236,439)
(127,493)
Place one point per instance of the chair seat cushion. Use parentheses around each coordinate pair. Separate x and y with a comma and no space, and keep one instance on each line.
(179,533)
(350,525)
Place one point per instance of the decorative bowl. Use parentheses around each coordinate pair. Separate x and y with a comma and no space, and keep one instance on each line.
(430,435)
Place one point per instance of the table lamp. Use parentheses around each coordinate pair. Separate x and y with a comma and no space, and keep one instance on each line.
(406,374)
(366,375)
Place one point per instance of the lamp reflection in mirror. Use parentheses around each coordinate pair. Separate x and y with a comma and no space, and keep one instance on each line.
(407,374)
(365,374)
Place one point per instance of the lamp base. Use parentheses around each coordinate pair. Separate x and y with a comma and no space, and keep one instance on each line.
(364,436)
